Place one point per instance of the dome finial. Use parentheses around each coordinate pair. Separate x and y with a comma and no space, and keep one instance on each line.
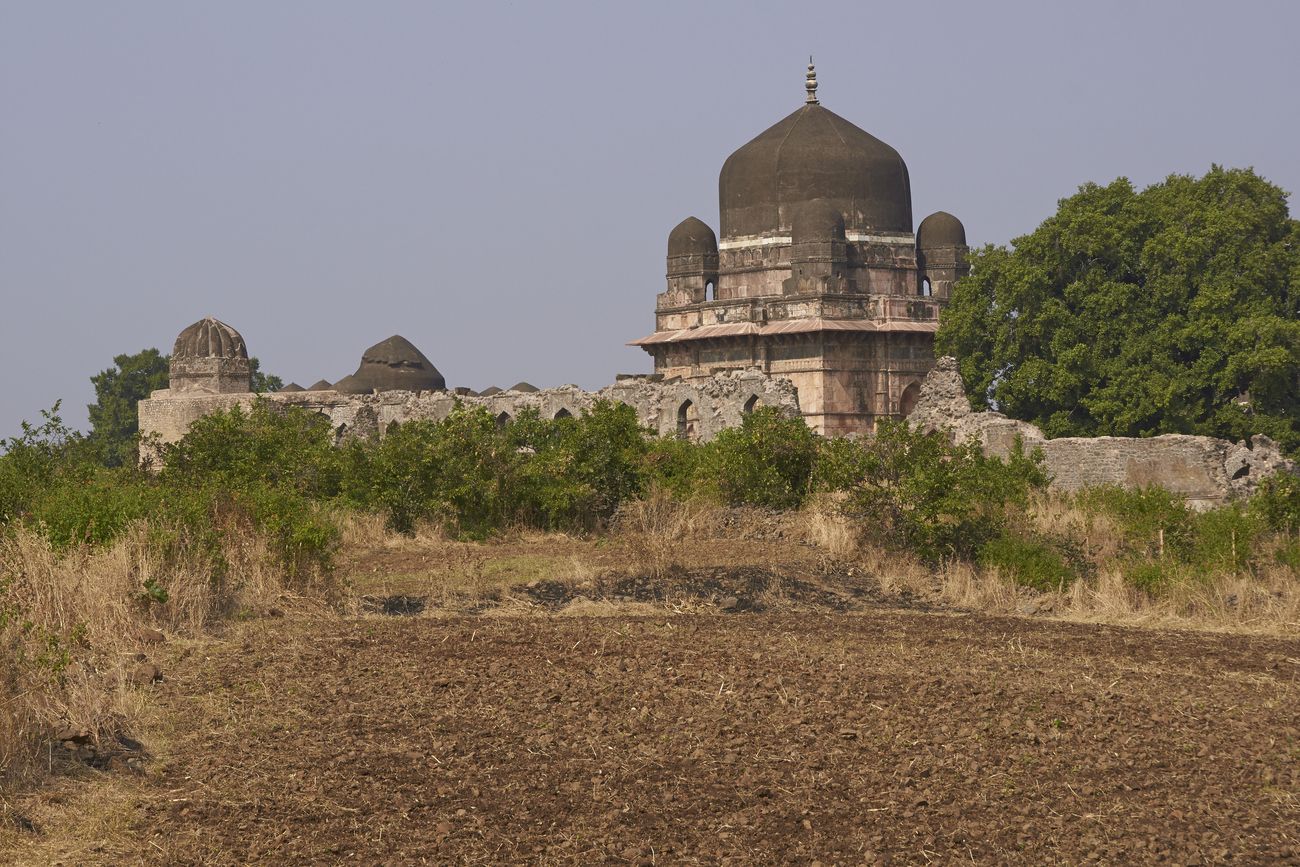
(811,83)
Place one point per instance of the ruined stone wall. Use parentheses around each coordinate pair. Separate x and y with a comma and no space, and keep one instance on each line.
(717,403)
(1205,470)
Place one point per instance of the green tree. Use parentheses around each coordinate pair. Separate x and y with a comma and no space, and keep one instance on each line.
(263,382)
(114,420)
(1171,310)
(114,423)
(768,461)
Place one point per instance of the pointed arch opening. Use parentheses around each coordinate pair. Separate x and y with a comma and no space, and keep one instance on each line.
(907,401)
(562,413)
(687,420)
(751,404)
(503,419)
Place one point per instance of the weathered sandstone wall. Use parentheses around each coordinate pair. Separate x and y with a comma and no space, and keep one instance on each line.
(715,404)
(1205,470)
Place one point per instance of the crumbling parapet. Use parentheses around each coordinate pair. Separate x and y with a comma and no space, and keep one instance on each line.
(1205,470)
(712,405)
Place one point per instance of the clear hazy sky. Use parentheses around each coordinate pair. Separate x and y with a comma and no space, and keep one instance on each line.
(496,181)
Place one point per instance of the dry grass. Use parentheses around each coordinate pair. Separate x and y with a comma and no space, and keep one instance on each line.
(1266,604)
(71,623)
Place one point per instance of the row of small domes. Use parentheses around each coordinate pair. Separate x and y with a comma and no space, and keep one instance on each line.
(394,364)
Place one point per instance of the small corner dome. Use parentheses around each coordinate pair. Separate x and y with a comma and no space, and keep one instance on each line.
(817,220)
(526,387)
(692,237)
(940,229)
(209,338)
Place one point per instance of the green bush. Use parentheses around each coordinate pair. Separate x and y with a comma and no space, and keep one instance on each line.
(457,472)
(574,473)
(93,510)
(1154,522)
(267,445)
(673,465)
(1223,539)
(921,493)
(1029,562)
(768,461)
(39,458)
(842,464)
(1152,576)
(1277,502)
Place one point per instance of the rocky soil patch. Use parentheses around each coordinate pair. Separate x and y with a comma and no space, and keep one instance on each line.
(764,738)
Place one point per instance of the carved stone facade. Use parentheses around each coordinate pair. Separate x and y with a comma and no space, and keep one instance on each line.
(818,277)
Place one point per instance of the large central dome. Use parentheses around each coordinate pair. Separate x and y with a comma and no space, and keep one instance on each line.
(814,154)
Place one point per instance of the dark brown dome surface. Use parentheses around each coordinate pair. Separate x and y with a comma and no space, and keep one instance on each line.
(209,338)
(814,154)
(393,365)
(940,229)
(526,387)
(816,220)
(692,237)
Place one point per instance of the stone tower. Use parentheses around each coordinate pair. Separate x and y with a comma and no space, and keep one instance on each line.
(210,357)
(817,277)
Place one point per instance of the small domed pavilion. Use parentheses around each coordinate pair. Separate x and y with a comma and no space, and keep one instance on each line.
(210,357)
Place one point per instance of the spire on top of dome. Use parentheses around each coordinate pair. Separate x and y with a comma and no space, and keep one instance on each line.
(811,84)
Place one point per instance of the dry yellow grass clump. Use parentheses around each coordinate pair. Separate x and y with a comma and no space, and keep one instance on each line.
(73,624)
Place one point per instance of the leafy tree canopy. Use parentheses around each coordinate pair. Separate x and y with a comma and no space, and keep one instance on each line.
(113,419)
(1171,310)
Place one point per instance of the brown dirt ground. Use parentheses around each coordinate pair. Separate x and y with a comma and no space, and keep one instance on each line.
(751,737)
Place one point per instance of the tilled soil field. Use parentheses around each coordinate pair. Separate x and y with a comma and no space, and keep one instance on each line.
(901,736)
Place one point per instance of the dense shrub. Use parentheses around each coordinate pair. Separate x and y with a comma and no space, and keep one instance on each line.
(1277,503)
(768,461)
(1029,562)
(1152,520)
(457,472)
(270,444)
(276,472)
(920,492)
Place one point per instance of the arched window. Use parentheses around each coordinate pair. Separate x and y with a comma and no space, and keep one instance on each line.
(907,402)
(709,293)
(751,403)
(563,413)
(503,419)
(687,416)
(925,287)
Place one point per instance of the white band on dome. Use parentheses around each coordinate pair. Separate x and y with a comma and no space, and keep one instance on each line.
(747,241)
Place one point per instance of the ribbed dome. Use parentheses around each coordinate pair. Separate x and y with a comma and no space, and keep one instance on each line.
(209,338)
(814,154)
(392,365)
(940,229)
(816,220)
(692,237)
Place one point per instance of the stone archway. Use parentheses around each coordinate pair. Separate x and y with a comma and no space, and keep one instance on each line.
(688,417)
(907,400)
